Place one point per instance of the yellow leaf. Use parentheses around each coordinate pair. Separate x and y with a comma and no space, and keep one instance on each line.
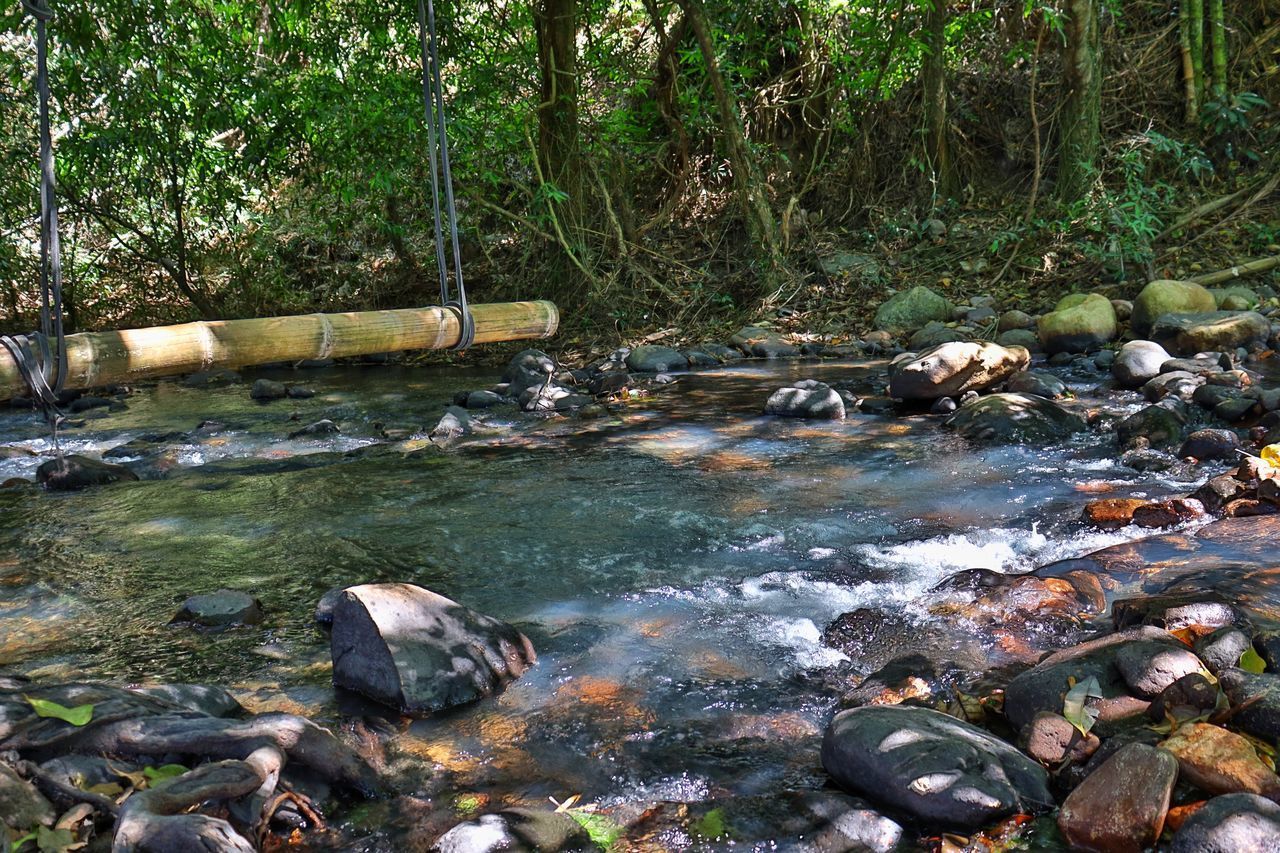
(1271,454)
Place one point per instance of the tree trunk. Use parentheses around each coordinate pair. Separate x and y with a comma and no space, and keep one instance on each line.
(746,178)
(937,144)
(1082,109)
(1218,42)
(559,148)
(1195,11)
(1191,94)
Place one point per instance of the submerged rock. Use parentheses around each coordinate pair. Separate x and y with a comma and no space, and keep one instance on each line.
(1015,419)
(1120,807)
(419,652)
(807,398)
(1220,762)
(951,369)
(71,473)
(763,343)
(316,430)
(1233,823)
(268,389)
(1160,424)
(1037,383)
(221,609)
(932,766)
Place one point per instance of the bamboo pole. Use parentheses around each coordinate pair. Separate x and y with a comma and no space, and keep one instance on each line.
(106,358)
(1239,271)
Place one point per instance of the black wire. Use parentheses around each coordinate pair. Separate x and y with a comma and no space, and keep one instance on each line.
(441,171)
(42,363)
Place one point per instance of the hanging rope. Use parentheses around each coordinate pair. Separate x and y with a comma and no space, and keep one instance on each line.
(42,364)
(438,156)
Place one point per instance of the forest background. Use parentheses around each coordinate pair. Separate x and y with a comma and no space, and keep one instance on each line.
(649,165)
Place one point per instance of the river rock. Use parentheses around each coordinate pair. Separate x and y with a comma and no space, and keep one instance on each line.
(1015,419)
(1261,691)
(1148,668)
(71,473)
(1160,424)
(910,310)
(268,389)
(528,368)
(1168,513)
(1187,334)
(1037,383)
(763,343)
(1015,319)
(1222,649)
(655,359)
(1051,740)
(932,766)
(1206,444)
(1138,362)
(1188,697)
(1111,513)
(1045,685)
(1178,385)
(204,699)
(1220,762)
(807,398)
(483,400)
(455,423)
(517,830)
(212,378)
(953,368)
(1081,322)
(316,430)
(1233,823)
(419,652)
(221,609)
(1024,338)
(1121,806)
(22,807)
(1163,297)
(1204,611)
(935,334)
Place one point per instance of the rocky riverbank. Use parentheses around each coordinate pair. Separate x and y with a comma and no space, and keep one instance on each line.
(1119,700)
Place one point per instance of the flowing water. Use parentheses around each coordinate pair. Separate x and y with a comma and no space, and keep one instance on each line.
(675,563)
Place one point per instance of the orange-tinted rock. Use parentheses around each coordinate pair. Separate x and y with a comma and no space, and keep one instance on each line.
(1121,806)
(1220,762)
(1249,507)
(1168,513)
(1111,513)
(1178,814)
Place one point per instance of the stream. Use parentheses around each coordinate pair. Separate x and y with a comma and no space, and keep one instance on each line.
(675,563)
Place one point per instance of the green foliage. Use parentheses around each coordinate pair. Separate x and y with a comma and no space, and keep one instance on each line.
(77,716)
(1076,708)
(603,831)
(159,776)
(1230,123)
(711,826)
(1251,661)
(46,840)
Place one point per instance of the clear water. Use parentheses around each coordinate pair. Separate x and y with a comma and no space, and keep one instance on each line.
(675,564)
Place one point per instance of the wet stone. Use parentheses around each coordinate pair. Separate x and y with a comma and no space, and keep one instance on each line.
(268,389)
(1015,419)
(1174,612)
(1218,492)
(954,368)
(1218,761)
(1051,739)
(807,398)
(1120,807)
(316,430)
(1159,424)
(455,423)
(205,699)
(934,767)
(1188,697)
(419,652)
(1178,386)
(222,609)
(655,359)
(1148,668)
(1037,382)
(212,379)
(1261,692)
(1138,362)
(22,807)
(300,392)
(517,830)
(1222,649)
(1211,444)
(1111,513)
(483,400)
(72,473)
(1233,823)
(1168,513)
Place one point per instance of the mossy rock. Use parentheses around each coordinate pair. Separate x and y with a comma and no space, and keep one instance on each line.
(910,310)
(1165,296)
(1081,322)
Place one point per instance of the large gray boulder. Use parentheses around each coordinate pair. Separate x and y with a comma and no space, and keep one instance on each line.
(1015,419)
(1138,362)
(1081,322)
(517,830)
(951,369)
(938,769)
(1165,296)
(1211,331)
(526,369)
(419,652)
(905,312)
